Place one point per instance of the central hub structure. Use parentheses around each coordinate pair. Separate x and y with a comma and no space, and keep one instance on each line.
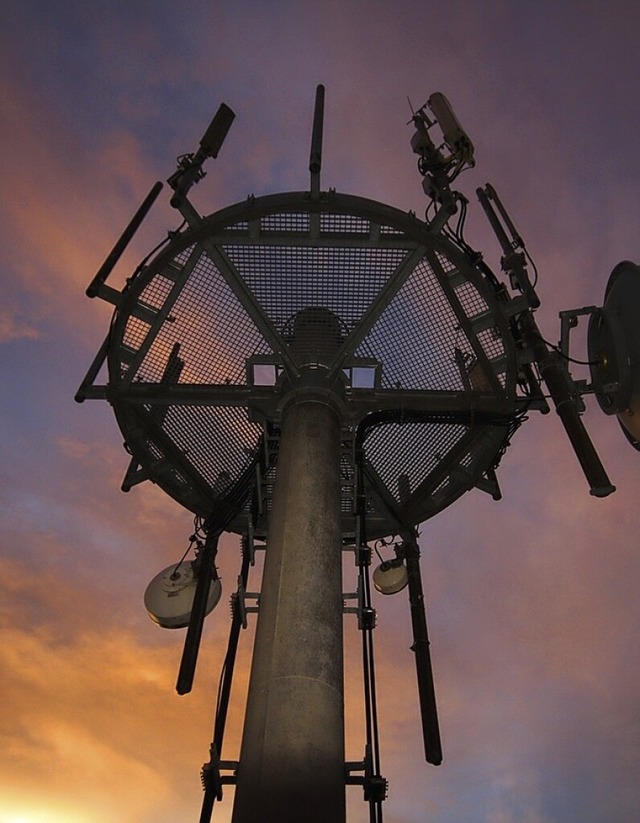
(316,338)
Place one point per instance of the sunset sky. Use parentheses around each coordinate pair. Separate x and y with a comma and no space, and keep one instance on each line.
(533,601)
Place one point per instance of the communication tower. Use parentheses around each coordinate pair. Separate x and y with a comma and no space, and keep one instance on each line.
(317,371)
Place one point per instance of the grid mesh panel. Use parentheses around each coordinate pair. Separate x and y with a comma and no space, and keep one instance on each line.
(214,331)
(287,279)
(183,256)
(467,461)
(415,336)
(491,343)
(218,442)
(178,480)
(410,449)
(344,223)
(345,273)
(290,221)
(471,300)
(156,292)
(447,265)
(135,333)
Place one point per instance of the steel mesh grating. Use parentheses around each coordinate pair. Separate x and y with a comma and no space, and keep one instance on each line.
(416,335)
(287,222)
(235,294)
(135,333)
(410,449)
(287,279)
(470,299)
(344,223)
(219,442)
(215,333)
(160,459)
(156,292)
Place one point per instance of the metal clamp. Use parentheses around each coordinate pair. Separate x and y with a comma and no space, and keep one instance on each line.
(366,614)
(212,778)
(375,786)
(239,604)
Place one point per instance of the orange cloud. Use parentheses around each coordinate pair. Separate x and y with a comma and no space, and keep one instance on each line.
(94,721)
(55,242)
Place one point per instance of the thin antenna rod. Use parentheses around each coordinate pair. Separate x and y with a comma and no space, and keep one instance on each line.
(513,262)
(315,157)
(117,251)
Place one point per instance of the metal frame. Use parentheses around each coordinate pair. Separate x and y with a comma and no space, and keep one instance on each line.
(256,458)
(251,224)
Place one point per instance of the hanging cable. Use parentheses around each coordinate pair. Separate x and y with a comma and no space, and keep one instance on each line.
(192,542)
(374,784)
(210,771)
(566,357)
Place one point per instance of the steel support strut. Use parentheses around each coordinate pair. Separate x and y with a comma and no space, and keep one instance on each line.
(292,762)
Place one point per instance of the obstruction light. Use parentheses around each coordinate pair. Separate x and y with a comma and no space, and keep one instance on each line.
(391,576)
(169,597)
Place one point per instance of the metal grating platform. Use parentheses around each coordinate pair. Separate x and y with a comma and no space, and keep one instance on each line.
(203,337)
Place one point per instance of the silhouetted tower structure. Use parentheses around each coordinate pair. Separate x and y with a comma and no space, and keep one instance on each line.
(316,371)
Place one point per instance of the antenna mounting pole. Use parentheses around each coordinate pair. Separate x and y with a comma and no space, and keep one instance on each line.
(315,157)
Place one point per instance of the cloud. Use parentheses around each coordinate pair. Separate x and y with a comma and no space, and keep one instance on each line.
(15,327)
(532,602)
(94,717)
(54,241)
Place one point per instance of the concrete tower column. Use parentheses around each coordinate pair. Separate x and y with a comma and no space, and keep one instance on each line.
(292,757)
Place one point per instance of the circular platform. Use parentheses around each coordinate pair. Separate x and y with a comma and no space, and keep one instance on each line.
(204,341)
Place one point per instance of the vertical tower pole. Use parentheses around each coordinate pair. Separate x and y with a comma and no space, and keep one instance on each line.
(315,157)
(291,765)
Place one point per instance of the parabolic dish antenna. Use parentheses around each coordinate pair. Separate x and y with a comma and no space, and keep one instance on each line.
(614,349)
(169,597)
(390,577)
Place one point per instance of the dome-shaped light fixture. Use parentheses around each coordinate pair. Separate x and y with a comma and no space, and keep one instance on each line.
(169,597)
(391,576)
